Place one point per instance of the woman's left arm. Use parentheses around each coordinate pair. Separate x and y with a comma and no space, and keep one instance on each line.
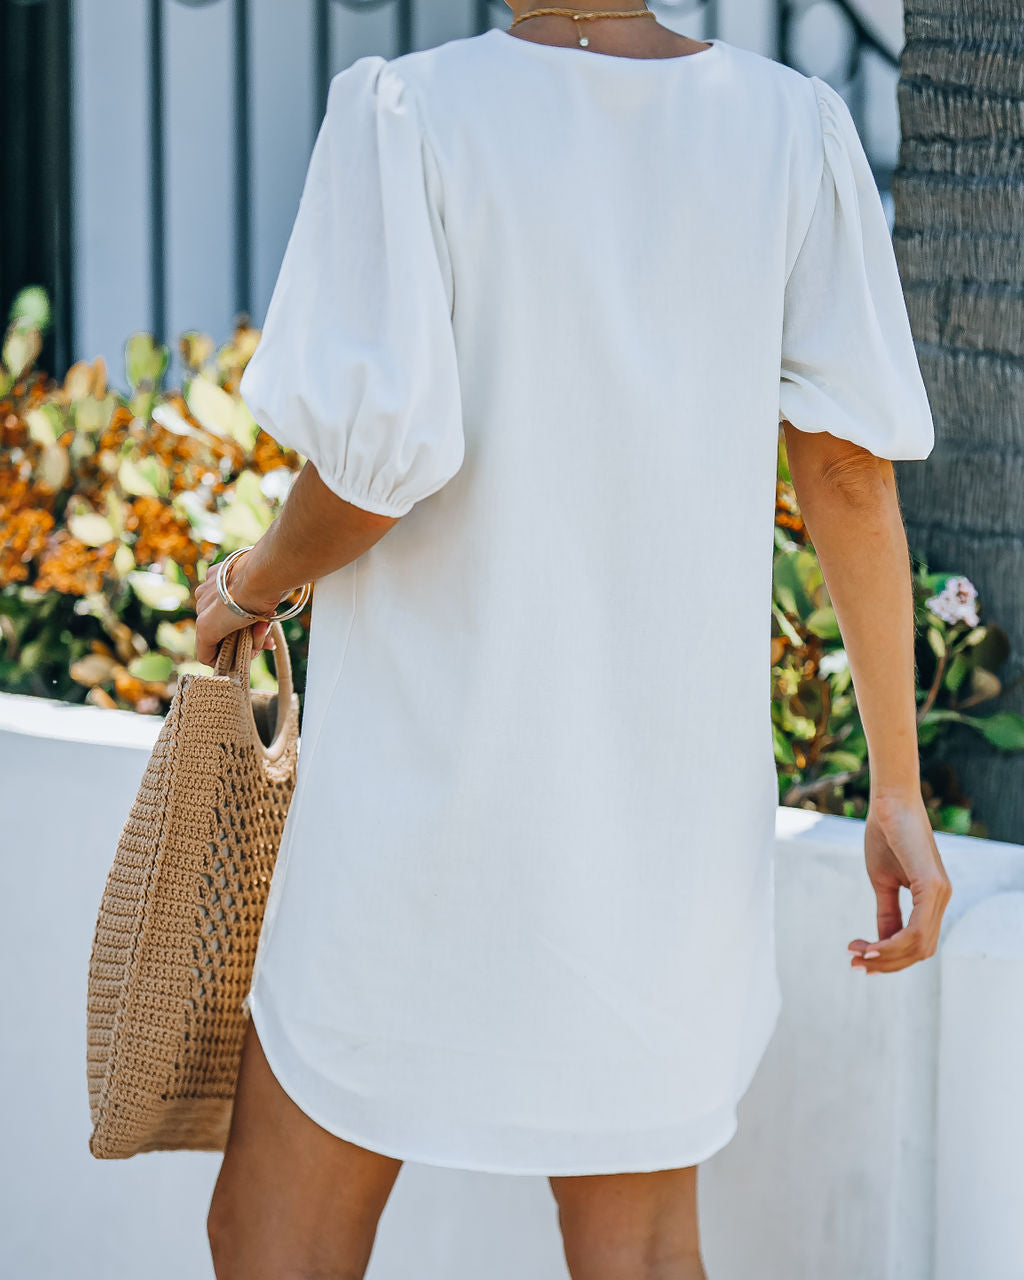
(315,533)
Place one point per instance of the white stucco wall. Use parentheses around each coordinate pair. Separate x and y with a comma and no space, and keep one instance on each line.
(875,1092)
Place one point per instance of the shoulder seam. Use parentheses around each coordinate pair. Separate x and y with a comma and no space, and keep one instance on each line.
(430,147)
(421,116)
(385,66)
(810,80)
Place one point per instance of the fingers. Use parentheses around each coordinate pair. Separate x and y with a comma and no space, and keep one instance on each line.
(917,940)
(208,640)
(888,916)
(214,622)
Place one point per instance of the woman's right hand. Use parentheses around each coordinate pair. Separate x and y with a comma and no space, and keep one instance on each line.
(900,851)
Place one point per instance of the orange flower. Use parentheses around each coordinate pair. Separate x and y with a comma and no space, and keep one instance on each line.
(22,537)
(161,535)
(71,568)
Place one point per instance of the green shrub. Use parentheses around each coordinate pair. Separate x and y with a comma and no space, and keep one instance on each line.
(113,506)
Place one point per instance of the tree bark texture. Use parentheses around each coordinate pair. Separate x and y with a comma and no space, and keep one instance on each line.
(958,193)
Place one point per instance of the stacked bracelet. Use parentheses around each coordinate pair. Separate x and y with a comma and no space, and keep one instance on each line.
(224,568)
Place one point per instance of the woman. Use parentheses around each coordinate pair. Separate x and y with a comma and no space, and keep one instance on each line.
(548,295)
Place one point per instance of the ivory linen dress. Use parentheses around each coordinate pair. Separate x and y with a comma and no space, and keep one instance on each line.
(549,306)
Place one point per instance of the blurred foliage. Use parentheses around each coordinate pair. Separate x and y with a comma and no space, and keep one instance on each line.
(820,748)
(112,506)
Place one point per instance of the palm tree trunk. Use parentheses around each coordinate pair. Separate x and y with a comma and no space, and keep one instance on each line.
(958,193)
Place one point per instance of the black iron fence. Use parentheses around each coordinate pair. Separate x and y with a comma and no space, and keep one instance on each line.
(35,162)
(35,95)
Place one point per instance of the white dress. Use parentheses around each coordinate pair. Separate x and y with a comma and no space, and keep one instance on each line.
(549,306)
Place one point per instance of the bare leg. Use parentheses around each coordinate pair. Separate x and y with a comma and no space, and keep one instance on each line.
(631,1226)
(292,1201)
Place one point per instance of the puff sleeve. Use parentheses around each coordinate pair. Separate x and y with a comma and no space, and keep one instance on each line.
(849,365)
(356,365)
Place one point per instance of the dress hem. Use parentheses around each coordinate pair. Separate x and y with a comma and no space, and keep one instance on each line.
(408,1153)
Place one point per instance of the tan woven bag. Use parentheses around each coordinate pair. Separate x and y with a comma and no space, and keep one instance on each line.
(181,913)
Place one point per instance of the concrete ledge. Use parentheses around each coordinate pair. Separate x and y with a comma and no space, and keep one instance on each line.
(980,1122)
(66,722)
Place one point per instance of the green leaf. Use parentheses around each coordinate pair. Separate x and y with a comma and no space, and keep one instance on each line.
(843,759)
(954,818)
(31,305)
(145,361)
(81,447)
(796,576)
(246,514)
(173,572)
(939,714)
(1004,729)
(809,570)
(167,416)
(240,526)
(782,458)
(115,512)
(157,475)
(32,654)
(21,349)
(786,584)
(93,416)
(958,668)
(244,428)
(797,726)
(205,524)
(933,583)
(936,642)
(124,560)
(44,424)
(211,406)
(133,480)
(179,641)
(822,622)
(261,674)
(152,667)
(54,467)
(984,685)
(92,529)
(786,627)
(219,412)
(247,488)
(154,591)
(783,749)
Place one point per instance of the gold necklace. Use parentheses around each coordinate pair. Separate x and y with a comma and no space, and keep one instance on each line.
(578,16)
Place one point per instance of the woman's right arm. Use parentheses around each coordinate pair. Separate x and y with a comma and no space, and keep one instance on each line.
(850,507)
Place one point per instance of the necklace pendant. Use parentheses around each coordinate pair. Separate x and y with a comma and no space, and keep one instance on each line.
(584,41)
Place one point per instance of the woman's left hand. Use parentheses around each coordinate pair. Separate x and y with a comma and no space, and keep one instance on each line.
(214,621)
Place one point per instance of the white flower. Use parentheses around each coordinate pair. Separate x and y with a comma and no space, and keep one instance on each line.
(276,484)
(955,602)
(831,663)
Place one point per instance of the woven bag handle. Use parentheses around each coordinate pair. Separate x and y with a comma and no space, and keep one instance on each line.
(234,657)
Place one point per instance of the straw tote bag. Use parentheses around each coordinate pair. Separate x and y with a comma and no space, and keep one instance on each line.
(181,913)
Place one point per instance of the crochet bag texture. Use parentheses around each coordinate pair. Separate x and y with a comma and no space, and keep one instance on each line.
(180,918)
